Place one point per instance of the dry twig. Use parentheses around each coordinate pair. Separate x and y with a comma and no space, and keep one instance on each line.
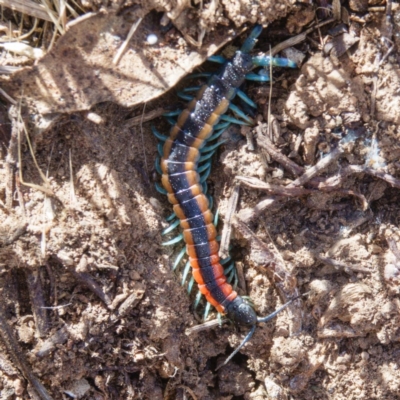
(18,358)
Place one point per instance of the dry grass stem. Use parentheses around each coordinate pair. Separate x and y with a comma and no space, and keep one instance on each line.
(27,7)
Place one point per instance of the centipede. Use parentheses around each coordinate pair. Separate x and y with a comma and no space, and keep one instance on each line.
(182,160)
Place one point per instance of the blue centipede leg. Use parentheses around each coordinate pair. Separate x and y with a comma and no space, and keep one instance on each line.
(190,285)
(184,96)
(158,135)
(160,189)
(206,156)
(246,99)
(175,240)
(206,173)
(205,187)
(250,42)
(229,268)
(197,300)
(170,228)
(185,272)
(179,258)
(216,217)
(210,201)
(225,260)
(170,120)
(257,78)
(216,135)
(191,89)
(217,59)
(170,217)
(221,125)
(207,309)
(233,120)
(203,167)
(212,147)
(157,165)
(266,61)
(160,149)
(239,113)
(200,75)
(172,113)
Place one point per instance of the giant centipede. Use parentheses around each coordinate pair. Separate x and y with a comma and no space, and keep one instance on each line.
(180,178)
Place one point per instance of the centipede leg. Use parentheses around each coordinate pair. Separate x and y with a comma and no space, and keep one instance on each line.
(158,135)
(170,228)
(246,98)
(257,78)
(217,59)
(157,165)
(184,96)
(174,113)
(228,118)
(175,240)
(266,61)
(239,113)
(160,189)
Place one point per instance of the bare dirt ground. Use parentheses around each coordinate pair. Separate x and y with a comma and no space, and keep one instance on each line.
(90,307)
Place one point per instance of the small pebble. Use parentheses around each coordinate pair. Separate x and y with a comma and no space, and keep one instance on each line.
(152,39)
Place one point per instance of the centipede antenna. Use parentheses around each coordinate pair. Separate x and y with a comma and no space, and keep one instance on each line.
(253,328)
(276,312)
(244,341)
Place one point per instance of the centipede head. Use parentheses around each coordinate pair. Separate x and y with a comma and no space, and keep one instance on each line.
(241,312)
